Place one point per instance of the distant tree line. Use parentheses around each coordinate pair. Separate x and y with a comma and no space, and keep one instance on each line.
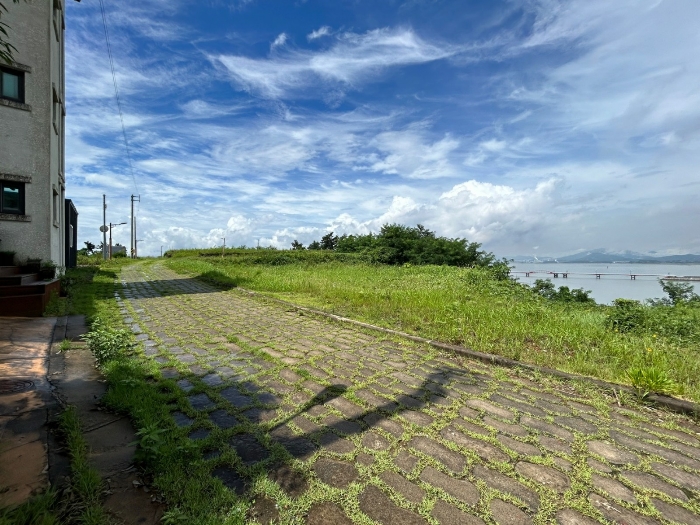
(399,244)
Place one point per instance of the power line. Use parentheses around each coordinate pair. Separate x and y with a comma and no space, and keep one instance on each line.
(116,92)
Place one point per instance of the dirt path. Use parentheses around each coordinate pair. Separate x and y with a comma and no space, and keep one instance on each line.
(395,432)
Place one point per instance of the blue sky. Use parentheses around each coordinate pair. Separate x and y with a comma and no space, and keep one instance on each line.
(531,126)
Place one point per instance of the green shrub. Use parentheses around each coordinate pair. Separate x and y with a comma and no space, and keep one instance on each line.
(546,289)
(107,343)
(626,315)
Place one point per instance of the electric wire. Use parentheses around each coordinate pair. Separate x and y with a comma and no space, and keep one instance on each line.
(116,94)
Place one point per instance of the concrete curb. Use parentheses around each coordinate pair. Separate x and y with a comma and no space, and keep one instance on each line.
(671,403)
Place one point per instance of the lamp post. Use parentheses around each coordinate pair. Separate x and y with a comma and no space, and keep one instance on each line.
(112,225)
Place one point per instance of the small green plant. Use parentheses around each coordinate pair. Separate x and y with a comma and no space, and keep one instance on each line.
(65,345)
(174,517)
(107,343)
(149,444)
(650,379)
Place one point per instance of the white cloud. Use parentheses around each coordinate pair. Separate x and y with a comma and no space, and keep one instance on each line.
(279,41)
(410,154)
(319,33)
(354,58)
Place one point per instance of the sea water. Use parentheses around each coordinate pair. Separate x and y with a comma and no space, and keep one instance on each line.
(617,284)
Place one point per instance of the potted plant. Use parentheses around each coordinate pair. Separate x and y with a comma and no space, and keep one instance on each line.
(48,270)
(7,258)
(32,266)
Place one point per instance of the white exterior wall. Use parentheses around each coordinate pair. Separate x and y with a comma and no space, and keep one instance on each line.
(31,145)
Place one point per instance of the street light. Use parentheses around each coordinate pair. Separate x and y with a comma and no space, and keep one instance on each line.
(112,225)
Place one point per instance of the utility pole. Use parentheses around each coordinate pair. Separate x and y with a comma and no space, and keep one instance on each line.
(134,198)
(161,251)
(223,248)
(104,226)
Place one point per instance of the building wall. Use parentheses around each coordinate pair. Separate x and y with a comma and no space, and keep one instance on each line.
(31,140)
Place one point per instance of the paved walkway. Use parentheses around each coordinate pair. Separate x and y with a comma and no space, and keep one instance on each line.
(395,432)
(25,399)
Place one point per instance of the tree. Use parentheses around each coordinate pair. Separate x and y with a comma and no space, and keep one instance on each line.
(315,245)
(296,245)
(679,292)
(6,49)
(329,241)
(89,248)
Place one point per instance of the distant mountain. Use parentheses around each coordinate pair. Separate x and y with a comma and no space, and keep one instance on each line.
(603,256)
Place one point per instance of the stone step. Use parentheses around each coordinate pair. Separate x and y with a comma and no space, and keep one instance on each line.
(18,279)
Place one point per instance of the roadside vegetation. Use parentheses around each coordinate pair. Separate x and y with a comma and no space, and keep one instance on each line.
(77,503)
(167,458)
(653,346)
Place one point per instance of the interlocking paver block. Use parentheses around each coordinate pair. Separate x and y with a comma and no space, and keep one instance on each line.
(501,412)
(651,482)
(615,489)
(408,490)
(379,507)
(452,460)
(547,476)
(618,514)
(483,449)
(675,513)
(448,514)
(326,513)
(508,485)
(613,454)
(459,488)
(683,478)
(508,514)
(338,474)
(572,517)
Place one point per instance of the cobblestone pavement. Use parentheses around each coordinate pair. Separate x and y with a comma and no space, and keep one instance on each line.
(349,426)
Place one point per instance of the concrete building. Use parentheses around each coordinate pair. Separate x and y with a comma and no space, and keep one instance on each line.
(32,111)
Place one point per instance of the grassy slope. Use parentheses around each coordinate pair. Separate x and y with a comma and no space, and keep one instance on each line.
(462,306)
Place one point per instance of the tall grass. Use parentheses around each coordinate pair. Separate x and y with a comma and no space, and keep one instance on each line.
(463,306)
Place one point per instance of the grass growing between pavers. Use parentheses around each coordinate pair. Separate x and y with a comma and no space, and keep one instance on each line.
(77,503)
(467,307)
(198,358)
(136,389)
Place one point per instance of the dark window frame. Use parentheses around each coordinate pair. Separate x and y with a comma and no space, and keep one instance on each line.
(20,75)
(22,200)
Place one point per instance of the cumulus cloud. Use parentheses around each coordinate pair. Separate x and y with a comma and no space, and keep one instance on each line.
(478,211)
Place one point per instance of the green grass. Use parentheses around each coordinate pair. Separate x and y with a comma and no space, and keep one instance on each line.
(461,306)
(137,389)
(80,501)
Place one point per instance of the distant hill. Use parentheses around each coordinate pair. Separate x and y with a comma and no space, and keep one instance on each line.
(603,256)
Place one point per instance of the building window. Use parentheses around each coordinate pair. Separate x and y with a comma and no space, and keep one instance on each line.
(56,109)
(12,84)
(12,201)
(55,207)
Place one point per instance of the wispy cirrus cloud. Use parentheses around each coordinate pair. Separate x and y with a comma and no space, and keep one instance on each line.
(319,33)
(353,59)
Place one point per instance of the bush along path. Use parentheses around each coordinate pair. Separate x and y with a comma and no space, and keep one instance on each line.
(248,411)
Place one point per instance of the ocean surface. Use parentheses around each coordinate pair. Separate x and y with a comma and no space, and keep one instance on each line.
(616,284)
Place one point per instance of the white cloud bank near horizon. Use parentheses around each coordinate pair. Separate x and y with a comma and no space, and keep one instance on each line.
(588,139)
